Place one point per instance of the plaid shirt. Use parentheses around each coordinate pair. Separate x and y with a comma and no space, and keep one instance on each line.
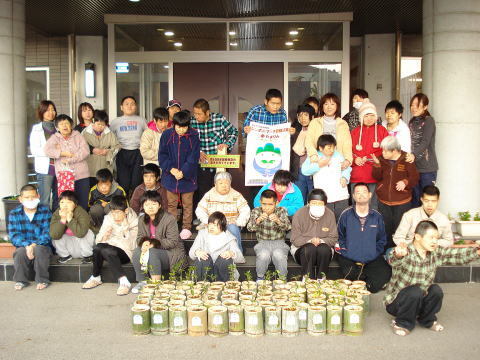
(413,270)
(261,115)
(22,232)
(215,131)
(267,229)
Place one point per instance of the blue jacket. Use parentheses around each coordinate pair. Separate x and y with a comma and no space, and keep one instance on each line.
(22,232)
(292,199)
(357,244)
(180,152)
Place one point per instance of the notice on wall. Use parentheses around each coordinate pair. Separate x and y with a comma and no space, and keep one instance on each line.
(268,150)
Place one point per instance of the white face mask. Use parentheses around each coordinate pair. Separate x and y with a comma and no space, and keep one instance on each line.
(31,204)
(357,104)
(317,211)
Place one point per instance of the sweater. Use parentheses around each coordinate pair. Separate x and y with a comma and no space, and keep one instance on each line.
(402,133)
(423,132)
(96,197)
(364,173)
(149,144)
(128,130)
(138,193)
(106,140)
(75,144)
(304,228)
(388,173)
(183,153)
(342,135)
(292,199)
(79,225)
(233,205)
(215,245)
(357,243)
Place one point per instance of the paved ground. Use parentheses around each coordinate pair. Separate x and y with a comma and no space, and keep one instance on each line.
(65,322)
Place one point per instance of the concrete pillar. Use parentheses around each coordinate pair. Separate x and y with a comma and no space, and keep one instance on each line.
(13,135)
(451,79)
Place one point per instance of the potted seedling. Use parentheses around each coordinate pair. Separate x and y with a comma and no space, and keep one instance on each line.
(353,320)
(177,319)
(273,320)
(6,248)
(334,319)
(159,320)
(217,321)
(197,320)
(290,324)
(141,319)
(466,226)
(249,284)
(254,321)
(236,318)
(317,320)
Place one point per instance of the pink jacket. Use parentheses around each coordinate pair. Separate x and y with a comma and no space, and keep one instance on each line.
(75,144)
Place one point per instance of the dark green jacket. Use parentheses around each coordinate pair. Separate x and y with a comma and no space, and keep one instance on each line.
(79,224)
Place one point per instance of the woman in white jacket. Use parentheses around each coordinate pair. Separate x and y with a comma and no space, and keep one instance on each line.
(44,166)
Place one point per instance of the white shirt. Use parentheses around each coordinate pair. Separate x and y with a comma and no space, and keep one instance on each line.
(402,133)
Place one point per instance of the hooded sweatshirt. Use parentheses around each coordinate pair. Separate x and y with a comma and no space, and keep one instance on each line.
(96,197)
(149,143)
(214,245)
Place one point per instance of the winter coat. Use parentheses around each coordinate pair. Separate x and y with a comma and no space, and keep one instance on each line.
(292,200)
(107,140)
(96,197)
(214,245)
(79,224)
(138,193)
(422,130)
(149,144)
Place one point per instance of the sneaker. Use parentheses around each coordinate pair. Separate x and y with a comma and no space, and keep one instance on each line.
(136,289)
(87,260)
(123,290)
(63,260)
(185,234)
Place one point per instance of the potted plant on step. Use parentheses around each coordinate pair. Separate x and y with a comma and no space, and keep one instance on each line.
(466,226)
(6,248)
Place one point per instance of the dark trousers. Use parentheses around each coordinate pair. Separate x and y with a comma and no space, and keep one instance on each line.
(427,178)
(158,263)
(392,215)
(376,273)
(82,188)
(23,265)
(97,213)
(205,183)
(413,304)
(115,257)
(337,207)
(219,268)
(310,256)
(129,169)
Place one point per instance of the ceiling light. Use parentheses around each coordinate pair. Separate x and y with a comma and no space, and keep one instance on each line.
(232,33)
(295,40)
(134,0)
(169,33)
(166,66)
(177,44)
(293,32)
(233,44)
(160,29)
(289,43)
(300,28)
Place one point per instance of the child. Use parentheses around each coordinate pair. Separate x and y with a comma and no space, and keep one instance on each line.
(128,129)
(178,157)
(331,178)
(396,126)
(396,178)
(150,140)
(270,222)
(287,193)
(115,243)
(85,116)
(151,177)
(215,249)
(411,294)
(100,196)
(70,230)
(173,106)
(159,247)
(102,142)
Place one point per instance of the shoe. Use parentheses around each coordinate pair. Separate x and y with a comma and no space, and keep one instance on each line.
(63,260)
(136,289)
(185,234)
(123,290)
(87,260)
(91,283)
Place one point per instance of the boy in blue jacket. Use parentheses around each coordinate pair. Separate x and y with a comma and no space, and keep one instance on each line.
(178,156)
(361,239)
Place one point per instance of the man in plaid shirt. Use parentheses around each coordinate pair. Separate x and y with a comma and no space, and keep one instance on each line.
(29,232)
(270,222)
(411,294)
(216,134)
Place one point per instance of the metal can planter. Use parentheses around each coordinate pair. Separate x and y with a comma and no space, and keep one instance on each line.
(236,320)
(217,321)
(334,319)
(159,320)
(317,320)
(141,319)
(177,319)
(197,320)
(273,320)
(302,317)
(353,320)
(254,321)
(290,325)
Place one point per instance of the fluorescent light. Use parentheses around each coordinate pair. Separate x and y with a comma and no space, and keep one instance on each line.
(232,33)
(177,44)
(289,43)
(166,66)
(169,33)
(293,32)
(233,44)
(89,80)
(134,0)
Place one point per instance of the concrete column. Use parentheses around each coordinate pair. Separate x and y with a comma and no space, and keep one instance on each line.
(451,79)
(13,135)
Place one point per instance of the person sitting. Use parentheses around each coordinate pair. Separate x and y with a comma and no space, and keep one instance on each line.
(151,182)
(28,229)
(226,200)
(100,196)
(150,140)
(215,250)
(362,239)
(411,294)
(314,235)
(70,230)
(428,211)
(330,177)
(270,222)
(116,241)
(288,194)
(159,246)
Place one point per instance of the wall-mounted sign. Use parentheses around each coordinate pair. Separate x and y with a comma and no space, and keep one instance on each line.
(121,67)
(222,161)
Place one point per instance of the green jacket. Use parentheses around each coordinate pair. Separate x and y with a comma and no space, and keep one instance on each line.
(79,224)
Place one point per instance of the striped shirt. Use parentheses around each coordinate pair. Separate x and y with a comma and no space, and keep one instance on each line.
(261,115)
(23,232)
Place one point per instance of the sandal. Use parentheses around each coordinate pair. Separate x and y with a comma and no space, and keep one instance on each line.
(436,327)
(123,290)
(91,283)
(400,331)
(42,286)
(19,285)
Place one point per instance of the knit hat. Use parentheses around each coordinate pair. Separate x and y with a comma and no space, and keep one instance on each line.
(367,108)
(174,102)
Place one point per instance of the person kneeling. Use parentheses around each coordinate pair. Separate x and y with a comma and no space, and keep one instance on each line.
(411,294)
(116,241)
(215,249)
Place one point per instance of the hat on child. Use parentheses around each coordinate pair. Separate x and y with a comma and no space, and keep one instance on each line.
(174,102)
(367,108)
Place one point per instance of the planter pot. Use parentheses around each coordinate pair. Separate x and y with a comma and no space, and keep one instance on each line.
(254,321)
(197,321)
(159,320)
(249,285)
(177,292)
(228,303)
(6,250)
(290,325)
(217,321)
(218,283)
(468,228)
(177,319)
(360,282)
(302,316)
(166,287)
(317,302)
(264,304)
(277,283)
(236,320)
(159,302)
(273,320)
(142,302)
(210,303)
(175,303)
(334,319)
(9,203)
(245,303)
(366,300)
(317,320)
(141,319)
(353,320)
(193,302)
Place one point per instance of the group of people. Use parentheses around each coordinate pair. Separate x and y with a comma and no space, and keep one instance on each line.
(385,170)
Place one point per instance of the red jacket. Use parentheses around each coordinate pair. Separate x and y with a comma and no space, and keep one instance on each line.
(364,173)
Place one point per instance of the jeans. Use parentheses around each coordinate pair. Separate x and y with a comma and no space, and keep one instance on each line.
(158,263)
(305,184)
(220,269)
(267,251)
(47,185)
(428,178)
(235,230)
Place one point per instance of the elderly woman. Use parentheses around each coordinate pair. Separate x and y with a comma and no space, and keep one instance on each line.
(396,179)
(226,200)
(69,149)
